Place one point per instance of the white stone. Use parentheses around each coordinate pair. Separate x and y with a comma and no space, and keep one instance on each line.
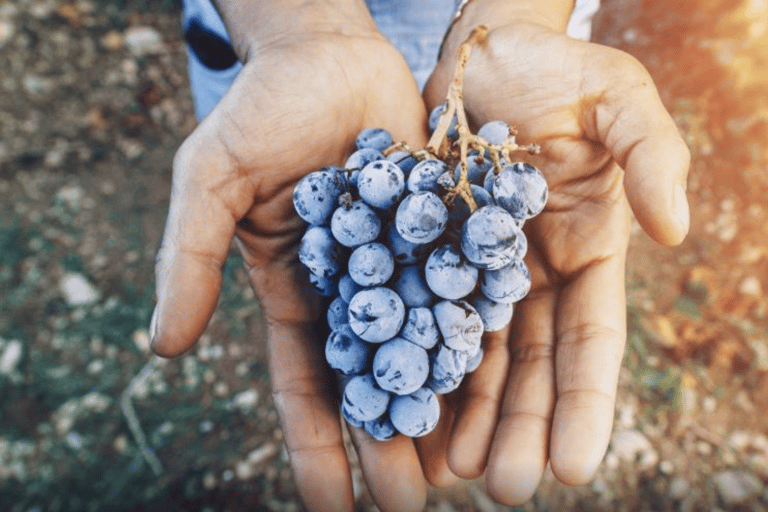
(735,487)
(631,446)
(262,453)
(143,41)
(77,290)
(11,357)
(679,488)
(6,32)
(246,400)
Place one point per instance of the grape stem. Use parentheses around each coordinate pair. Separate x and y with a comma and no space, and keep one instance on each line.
(439,144)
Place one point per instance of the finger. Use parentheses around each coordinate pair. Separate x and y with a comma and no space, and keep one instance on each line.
(591,333)
(519,451)
(206,199)
(392,472)
(478,408)
(433,447)
(630,119)
(302,393)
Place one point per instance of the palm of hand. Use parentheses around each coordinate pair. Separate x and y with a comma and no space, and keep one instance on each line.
(294,108)
(546,389)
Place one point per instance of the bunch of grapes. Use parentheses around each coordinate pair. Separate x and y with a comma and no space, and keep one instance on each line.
(418,253)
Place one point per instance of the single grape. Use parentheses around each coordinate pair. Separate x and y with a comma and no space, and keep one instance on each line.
(320,252)
(376,314)
(507,284)
(381,184)
(420,328)
(522,246)
(421,217)
(459,323)
(521,190)
(315,196)
(356,225)
(363,399)
(489,237)
(448,369)
(324,286)
(348,288)
(424,175)
(477,168)
(434,119)
(495,315)
(349,418)
(495,132)
(412,288)
(474,360)
(405,252)
(337,314)
(415,415)
(375,138)
(371,264)
(448,274)
(381,429)
(404,160)
(400,366)
(345,352)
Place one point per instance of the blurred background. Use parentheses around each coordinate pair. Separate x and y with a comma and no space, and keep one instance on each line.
(93,103)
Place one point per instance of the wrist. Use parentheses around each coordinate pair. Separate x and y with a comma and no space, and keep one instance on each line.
(550,14)
(254,24)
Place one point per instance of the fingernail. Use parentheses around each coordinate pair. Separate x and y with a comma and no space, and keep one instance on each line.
(681,207)
(153,326)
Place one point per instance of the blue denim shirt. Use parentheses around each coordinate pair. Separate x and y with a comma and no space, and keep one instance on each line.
(415,27)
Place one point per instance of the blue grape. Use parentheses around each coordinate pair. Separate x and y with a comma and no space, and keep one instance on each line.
(405,252)
(424,175)
(415,415)
(376,314)
(459,324)
(320,252)
(337,314)
(363,400)
(348,288)
(404,160)
(421,217)
(521,190)
(477,168)
(448,369)
(355,225)
(345,352)
(324,286)
(507,284)
(349,418)
(375,138)
(371,264)
(495,315)
(315,196)
(460,211)
(495,132)
(381,429)
(448,274)
(434,119)
(522,246)
(412,288)
(362,157)
(400,366)
(381,184)
(474,360)
(489,237)
(420,328)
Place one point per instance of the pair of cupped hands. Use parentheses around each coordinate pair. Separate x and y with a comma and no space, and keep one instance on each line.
(546,389)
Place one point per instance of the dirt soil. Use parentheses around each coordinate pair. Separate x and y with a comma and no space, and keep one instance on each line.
(93,103)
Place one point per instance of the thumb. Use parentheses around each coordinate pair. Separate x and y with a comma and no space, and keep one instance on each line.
(207,198)
(630,119)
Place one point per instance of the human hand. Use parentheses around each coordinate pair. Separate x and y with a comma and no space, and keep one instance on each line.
(546,389)
(297,106)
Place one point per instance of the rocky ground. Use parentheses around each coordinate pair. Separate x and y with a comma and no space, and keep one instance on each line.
(93,103)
